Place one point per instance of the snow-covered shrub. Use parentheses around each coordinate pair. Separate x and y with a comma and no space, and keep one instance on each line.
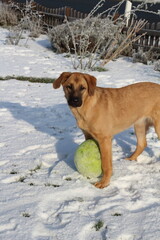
(33,24)
(29,21)
(145,56)
(15,35)
(94,38)
(140,56)
(90,38)
(157,65)
(88,35)
(8,17)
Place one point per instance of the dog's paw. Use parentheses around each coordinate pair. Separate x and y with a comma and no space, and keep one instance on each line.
(102,184)
(130,159)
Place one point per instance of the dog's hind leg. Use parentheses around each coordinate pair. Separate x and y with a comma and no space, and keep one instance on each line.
(156,119)
(157,127)
(141,128)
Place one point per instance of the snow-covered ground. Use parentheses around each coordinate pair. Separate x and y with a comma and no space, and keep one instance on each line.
(42,196)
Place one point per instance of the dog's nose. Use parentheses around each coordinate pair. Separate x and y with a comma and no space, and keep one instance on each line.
(75,99)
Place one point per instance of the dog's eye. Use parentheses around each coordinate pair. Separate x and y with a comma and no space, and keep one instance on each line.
(69,87)
(82,88)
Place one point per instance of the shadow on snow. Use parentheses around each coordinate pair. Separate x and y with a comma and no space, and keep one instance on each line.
(56,121)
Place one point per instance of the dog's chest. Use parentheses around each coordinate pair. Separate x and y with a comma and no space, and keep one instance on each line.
(82,119)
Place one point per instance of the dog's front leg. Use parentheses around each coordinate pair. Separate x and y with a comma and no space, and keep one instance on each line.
(106,159)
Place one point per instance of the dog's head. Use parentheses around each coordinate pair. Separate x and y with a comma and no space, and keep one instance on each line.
(77,87)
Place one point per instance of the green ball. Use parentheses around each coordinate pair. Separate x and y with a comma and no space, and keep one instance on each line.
(87,159)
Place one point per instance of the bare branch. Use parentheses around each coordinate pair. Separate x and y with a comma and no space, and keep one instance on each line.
(130,38)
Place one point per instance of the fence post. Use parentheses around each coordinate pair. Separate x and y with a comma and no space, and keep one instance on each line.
(67,12)
(127,13)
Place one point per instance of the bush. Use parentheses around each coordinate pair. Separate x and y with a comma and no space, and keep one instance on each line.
(146,56)
(91,37)
(8,17)
(140,56)
(157,65)
(15,35)
(28,20)
(90,34)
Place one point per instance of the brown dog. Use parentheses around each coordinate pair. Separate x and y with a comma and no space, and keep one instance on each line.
(103,112)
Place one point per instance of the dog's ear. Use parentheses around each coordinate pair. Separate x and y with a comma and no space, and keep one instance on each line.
(62,78)
(91,81)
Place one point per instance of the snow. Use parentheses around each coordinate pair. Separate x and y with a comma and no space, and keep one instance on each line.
(43,197)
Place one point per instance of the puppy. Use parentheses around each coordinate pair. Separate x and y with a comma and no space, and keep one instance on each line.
(103,112)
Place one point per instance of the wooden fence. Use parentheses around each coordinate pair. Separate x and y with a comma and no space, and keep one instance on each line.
(53,17)
(151,39)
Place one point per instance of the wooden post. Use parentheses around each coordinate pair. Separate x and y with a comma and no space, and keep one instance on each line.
(67,12)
